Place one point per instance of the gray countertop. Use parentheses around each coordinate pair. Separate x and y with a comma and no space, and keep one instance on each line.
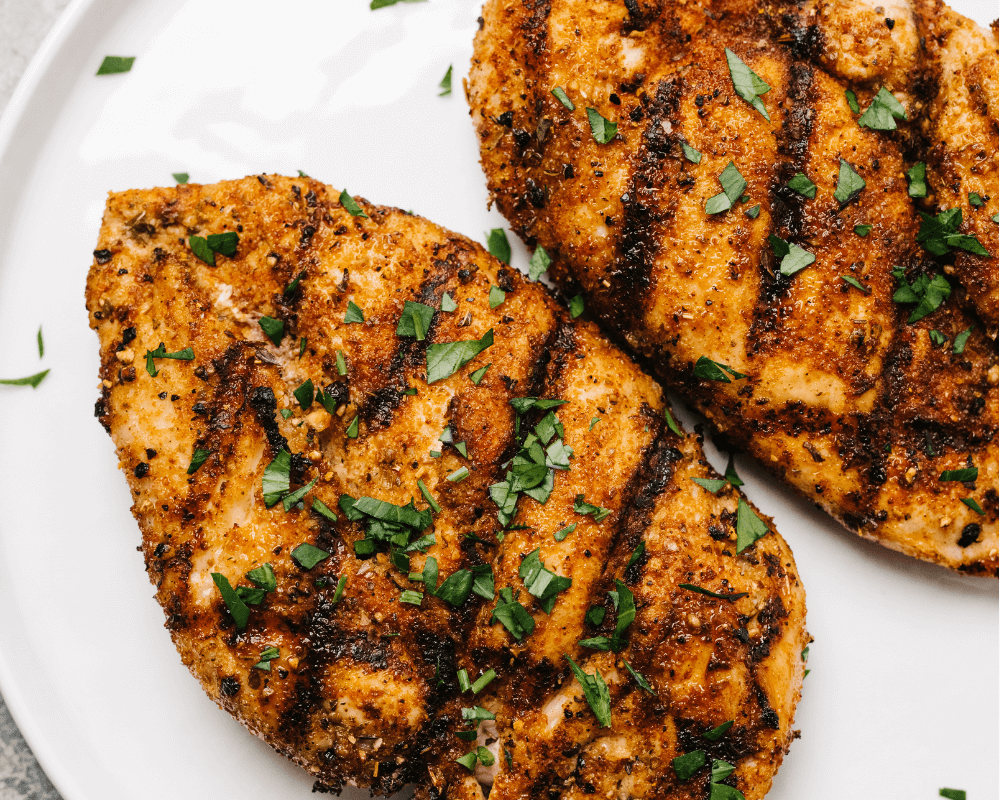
(23,25)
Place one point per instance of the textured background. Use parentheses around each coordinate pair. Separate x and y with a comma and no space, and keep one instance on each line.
(23,25)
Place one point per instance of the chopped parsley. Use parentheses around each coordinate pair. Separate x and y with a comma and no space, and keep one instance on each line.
(953,794)
(939,235)
(975,200)
(730,474)
(690,153)
(349,203)
(289,501)
(638,553)
(709,370)
(497,296)
(560,94)
(962,475)
(205,248)
(800,184)
(446,358)
(643,683)
(862,230)
(733,186)
(276,481)
(267,655)
(916,177)
(323,509)
(539,263)
(187,354)
(263,578)
(113,65)
(849,184)
(31,380)
(411,597)
(958,346)
(595,690)
(456,588)
(415,320)
(883,112)
(445,84)
(928,293)
(749,527)
(341,363)
(477,376)
(305,394)
(748,84)
(480,754)
(793,258)
(274,329)
(560,535)
(581,506)
(459,475)
(753,212)
(710,484)
(937,338)
(855,283)
(181,177)
(674,427)
(721,770)
(971,503)
(541,582)
(197,459)
(512,615)
(688,764)
(708,593)
(376,4)
(239,610)
(852,101)
(576,306)
(603,130)
(497,244)
(354,314)
(717,733)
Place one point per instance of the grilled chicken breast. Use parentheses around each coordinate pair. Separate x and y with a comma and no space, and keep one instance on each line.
(377,548)
(815,317)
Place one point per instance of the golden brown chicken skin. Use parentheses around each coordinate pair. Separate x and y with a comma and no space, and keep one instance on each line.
(377,575)
(799,316)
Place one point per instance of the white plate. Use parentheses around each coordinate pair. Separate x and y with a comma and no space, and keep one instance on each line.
(902,698)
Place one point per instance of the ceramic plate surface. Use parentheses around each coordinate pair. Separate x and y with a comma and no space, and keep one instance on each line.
(902,698)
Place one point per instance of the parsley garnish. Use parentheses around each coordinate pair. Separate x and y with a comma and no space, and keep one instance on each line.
(187,354)
(541,582)
(497,244)
(975,200)
(459,475)
(266,657)
(800,184)
(112,65)
(289,501)
(730,474)
(640,549)
(643,683)
(354,314)
(707,369)
(456,587)
(563,98)
(710,484)
(445,84)
(273,328)
(276,480)
(576,306)
(852,101)
(263,578)
(305,393)
(348,202)
(962,475)
(376,4)
(708,593)
(733,186)
(512,615)
(239,610)
(595,690)
(688,764)
(971,503)
(953,794)
(849,184)
(749,527)
(753,212)
(928,293)
(581,506)
(674,427)
(793,258)
(855,283)
(31,380)
(562,534)
(415,320)
(539,263)
(411,597)
(197,459)
(717,733)
(446,358)
(690,153)
(481,754)
(181,177)
(916,176)
(937,338)
(748,84)
(477,376)
(497,296)
(206,247)
(939,235)
(883,112)
(862,230)
(958,346)
(341,363)
(603,130)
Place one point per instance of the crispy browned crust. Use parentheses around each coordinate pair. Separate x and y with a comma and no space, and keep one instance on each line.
(843,399)
(364,691)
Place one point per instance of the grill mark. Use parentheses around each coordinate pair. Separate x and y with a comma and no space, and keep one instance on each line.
(639,240)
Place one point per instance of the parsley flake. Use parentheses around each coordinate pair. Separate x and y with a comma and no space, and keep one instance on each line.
(707,369)
(855,283)
(708,593)
(793,258)
(733,186)
(975,200)
(961,475)
(512,615)
(187,354)
(595,690)
(477,376)
(916,176)
(688,764)
(710,484)
(415,320)
(289,501)
(562,534)
(602,129)
(939,235)
(800,184)
(446,358)
(267,655)
(748,84)
(852,101)
(581,506)
(276,480)
(560,94)
(239,610)
(197,459)
(952,794)
(541,582)
(181,177)
(752,212)
(883,112)
(576,306)
(862,230)
(113,65)
(928,293)
(274,329)
(971,503)
(354,314)
(323,509)
(445,84)
(849,184)
(749,527)
(958,346)
(717,733)
(305,394)
(643,683)
(349,203)
(690,153)
(539,263)
(497,244)
(497,296)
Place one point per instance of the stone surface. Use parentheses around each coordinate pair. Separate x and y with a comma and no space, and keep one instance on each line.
(23,25)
